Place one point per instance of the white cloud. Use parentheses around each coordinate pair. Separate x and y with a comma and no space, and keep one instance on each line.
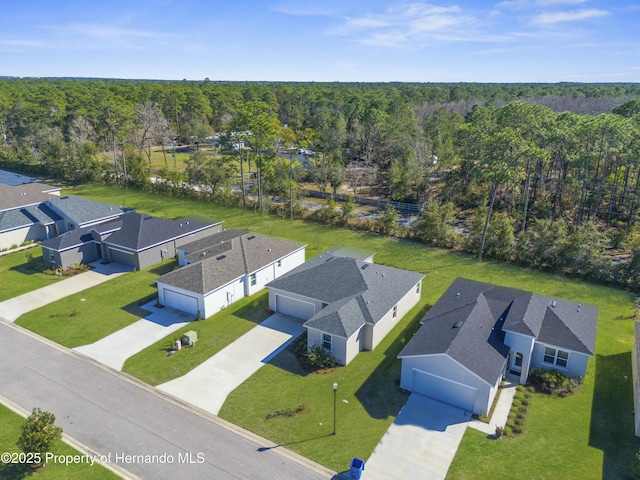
(572,16)
(408,25)
(302,10)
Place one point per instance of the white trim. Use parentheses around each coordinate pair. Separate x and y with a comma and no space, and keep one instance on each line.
(427,355)
(120,250)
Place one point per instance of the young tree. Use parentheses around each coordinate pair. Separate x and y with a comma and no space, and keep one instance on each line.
(38,434)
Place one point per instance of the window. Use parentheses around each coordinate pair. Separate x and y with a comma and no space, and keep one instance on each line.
(326,342)
(279,263)
(555,357)
(518,359)
(418,289)
(395,311)
(252,279)
(52,257)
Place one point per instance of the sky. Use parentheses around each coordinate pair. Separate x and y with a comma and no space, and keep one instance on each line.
(323,40)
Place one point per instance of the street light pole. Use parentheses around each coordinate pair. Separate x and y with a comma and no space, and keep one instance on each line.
(335,392)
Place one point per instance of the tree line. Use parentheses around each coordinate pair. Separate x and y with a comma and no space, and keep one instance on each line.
(543,174)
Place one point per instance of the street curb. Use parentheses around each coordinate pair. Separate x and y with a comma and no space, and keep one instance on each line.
(261,442)
(72,442)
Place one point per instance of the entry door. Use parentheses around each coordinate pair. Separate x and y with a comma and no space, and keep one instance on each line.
(516,361)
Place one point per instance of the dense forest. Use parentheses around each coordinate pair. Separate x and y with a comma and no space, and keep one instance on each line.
(546,175)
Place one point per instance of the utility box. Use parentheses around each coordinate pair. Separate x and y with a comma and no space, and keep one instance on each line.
(356,468)
(190,338)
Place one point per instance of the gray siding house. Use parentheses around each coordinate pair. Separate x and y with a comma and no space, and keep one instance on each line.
(477,332)
(348,304)
(134,239)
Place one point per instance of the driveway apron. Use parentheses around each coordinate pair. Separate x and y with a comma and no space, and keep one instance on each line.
(208,385)
(12,309)
(421,442)
(113,350)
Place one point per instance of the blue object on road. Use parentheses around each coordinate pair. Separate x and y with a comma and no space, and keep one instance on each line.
(357,467)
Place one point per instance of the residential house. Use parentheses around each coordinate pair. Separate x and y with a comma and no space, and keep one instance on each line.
(21,218)
(220,269)
(136,240)
(477,332)
(348,303)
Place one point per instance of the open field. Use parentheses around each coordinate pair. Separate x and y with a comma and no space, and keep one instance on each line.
(587,436)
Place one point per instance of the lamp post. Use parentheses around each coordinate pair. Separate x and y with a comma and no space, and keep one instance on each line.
(335,392)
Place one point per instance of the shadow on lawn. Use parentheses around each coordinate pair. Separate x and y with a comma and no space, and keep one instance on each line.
(15,471)
(612,425)
(380,394)
(265,449)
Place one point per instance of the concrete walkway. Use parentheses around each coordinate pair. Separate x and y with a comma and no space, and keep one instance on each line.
(12,309)
(208,385)
(113,350)
(424,438)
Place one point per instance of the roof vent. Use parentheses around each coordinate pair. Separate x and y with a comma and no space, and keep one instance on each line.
(221,257)
(187,223)
(457,294)
(553,303)
(251,237)
(364,266)
(268,249)
(458,324)
(180,224)
(383,275)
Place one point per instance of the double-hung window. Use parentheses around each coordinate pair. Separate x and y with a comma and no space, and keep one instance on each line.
(252,279)
(559,358)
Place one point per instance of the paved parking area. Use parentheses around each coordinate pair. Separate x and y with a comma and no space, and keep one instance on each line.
(208,385)
(113,350)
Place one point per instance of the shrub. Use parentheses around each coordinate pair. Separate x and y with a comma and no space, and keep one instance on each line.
(507,432)
(38,434)
(14,246)
(318,357)
(553,382)
(516,403)
(519,395)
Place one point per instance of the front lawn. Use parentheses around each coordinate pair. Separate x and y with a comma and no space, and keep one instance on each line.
(10,426)
(17,278)
(92,314)
(154,366)
(586,436)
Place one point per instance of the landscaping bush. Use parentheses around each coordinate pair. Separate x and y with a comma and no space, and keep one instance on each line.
(318,357)
(553,382)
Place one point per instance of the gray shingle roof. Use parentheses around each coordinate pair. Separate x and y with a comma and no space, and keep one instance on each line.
(241,253)
(16,196)
(356,292)
(13,219)
(140,231)
(469,320)
(82,210)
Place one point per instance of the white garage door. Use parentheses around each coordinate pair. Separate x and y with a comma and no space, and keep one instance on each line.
(180,301)
(444,390)
(295,308)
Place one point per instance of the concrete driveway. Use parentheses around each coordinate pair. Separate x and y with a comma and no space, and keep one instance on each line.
(113,350)
(421,442)
(208,385)
(12,309)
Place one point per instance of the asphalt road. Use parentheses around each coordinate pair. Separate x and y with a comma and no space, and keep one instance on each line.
(115,416)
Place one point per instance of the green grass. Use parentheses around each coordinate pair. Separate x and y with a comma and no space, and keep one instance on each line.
(10,425)
(17,278)
(586,436)
(153,366)
(92,314)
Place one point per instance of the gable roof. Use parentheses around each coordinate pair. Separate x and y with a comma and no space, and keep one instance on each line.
(364,293)
(230,255)
(468,323)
